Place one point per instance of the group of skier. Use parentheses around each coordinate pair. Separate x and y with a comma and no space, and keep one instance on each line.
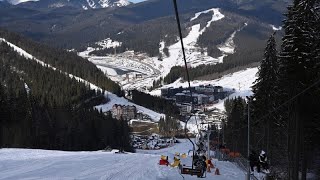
(259,161)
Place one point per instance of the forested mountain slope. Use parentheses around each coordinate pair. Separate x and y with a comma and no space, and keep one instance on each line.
(44,108)
(65,61)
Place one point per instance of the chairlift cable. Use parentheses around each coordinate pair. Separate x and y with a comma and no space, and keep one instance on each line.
(186,66)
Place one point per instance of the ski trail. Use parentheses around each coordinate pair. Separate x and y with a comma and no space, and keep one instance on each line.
(48,165)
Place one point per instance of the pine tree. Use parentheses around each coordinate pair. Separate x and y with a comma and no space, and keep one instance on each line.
(235,132)
(297,73)
(265,89)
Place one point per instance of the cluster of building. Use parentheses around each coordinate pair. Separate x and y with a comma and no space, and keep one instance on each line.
(125,112)
(201,96)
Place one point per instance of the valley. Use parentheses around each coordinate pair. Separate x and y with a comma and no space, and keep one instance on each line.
(159,89)
(139,71)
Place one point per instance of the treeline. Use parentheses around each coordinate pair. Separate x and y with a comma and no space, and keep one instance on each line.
(236,132)
(157,104)
(214,36)
(169,126)
(43,108)
(145,37)
(65,61)
(285,106)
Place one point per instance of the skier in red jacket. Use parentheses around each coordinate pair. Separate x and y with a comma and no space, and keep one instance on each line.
(164,161)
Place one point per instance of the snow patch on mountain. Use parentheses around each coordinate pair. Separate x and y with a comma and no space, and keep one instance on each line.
(162,45)
(109,43)
(122,3)
(103,44)
(229,46)
(15,2)
(276,28)
(91,4)
(85,4)
(109,3)
(196,15)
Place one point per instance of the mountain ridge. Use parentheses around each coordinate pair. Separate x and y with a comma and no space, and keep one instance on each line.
(81,4)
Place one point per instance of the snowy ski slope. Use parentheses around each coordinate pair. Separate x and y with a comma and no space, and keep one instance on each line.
(59,165)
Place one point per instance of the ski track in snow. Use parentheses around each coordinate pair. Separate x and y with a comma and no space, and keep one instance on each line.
(114,99)
(143,165)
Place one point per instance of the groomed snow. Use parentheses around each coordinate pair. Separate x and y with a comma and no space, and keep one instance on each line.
(43,164)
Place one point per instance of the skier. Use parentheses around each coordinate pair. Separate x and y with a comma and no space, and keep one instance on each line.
(176,162)
(263,162)
(164,161)
(209,164)
(253,158)
(204,164)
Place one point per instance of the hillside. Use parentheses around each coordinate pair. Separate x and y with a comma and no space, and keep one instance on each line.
(46,104)
(237,38)
(80,4)
(43,107)
(63,26)
(63,60)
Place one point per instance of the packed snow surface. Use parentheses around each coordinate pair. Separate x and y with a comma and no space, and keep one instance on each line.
(44,164)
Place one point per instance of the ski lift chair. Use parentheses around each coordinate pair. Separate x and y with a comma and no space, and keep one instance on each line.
(196,170)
